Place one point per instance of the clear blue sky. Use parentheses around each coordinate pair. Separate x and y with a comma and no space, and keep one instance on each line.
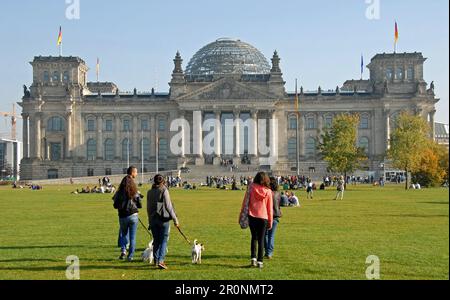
(320,41)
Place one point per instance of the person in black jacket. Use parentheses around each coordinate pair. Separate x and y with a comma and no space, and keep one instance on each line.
(160,212)
(128,208)
(270,234)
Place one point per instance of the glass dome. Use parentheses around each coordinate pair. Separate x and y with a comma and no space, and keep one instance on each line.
(228,56)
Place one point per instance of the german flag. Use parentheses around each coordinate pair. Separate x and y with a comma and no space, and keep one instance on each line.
(396,32)
(59,37)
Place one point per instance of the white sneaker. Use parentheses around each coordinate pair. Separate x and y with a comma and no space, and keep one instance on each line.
(260,265)
(253,262)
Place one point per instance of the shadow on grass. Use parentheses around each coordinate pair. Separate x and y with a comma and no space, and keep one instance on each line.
(440,202)
(51,247)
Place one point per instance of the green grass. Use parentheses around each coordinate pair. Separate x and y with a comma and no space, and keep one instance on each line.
(324,239)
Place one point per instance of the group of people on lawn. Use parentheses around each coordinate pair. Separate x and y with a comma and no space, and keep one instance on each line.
(260,211)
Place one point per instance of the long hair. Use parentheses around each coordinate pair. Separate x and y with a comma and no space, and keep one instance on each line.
(274,184)
(262,179)
(129,186)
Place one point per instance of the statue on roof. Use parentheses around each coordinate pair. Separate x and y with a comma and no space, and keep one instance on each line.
(26,92)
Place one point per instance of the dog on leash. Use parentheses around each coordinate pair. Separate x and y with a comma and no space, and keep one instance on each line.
(147,255)
(197,252)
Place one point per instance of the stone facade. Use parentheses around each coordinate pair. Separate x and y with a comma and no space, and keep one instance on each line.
(73,128)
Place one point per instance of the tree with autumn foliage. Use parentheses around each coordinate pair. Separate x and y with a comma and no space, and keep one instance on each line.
(338,146)
(433,169)
(409,144)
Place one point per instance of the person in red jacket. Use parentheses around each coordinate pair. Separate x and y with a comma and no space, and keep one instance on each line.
(260,215)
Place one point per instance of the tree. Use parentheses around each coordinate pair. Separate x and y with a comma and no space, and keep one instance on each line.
(433,170)
(409,142)
(338,145)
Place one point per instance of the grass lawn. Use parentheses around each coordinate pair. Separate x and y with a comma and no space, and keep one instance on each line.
(324,239)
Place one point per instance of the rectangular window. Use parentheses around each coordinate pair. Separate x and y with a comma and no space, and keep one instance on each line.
(108,125)
(328,122)
(91,125)
(126,125)
(364,123)
(144,125)
(108,171)
(292,123)
(52,174)
(162,125)
(90,172)
(310,123)
(55,151)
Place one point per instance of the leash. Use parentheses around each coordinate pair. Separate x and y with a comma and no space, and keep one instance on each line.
(185,238)
(146,229)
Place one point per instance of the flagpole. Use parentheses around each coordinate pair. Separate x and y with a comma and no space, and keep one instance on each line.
(128,149)
(297,129)
(142,156)
(157,152)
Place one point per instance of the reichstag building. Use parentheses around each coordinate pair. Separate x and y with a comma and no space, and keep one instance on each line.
(75,128)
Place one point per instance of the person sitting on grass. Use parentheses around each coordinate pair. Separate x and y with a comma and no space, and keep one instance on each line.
(293,200)
(284,201)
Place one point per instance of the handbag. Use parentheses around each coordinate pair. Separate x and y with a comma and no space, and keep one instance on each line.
(243,217)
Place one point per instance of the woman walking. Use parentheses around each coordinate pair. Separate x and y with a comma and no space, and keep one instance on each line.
(260,215)
(160,212)
(340,188)
(128,201)
(270,235)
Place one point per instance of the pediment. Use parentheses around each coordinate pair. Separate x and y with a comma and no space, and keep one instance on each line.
(226,89)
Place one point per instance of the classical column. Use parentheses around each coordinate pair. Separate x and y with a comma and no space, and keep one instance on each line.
(25,136)
(118,152)
(136,145)
(301,143)
(217,138)
(181,115)
(388,129)
(319,123)
(99,136)
(37,135)
(198,137)
(69,134)
(273,131)
(253,149)
(153,130)
(237,144)
(433,125)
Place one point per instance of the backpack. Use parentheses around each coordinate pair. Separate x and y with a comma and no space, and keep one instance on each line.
(119,200)
(161,209)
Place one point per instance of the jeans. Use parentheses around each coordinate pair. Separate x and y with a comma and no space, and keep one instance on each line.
(258,229)
(270,238)
(128,229)
(160,231)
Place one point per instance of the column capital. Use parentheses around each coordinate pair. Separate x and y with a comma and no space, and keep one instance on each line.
(254,113)
(25,115)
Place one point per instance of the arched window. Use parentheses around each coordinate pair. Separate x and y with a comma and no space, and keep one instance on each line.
(55,124)
(91,149)
(162,149)
(399,73)
(292,123)
(364,122)
(389,74)
(127,149)
(364,143)
(127,125)
(292,148)
(66,77)
(310,148)
(145,148)
(55,76)
(109,149)
(310,122)
(46,76)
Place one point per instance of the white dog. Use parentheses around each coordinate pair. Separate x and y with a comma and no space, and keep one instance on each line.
(197,252)
(147,255)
